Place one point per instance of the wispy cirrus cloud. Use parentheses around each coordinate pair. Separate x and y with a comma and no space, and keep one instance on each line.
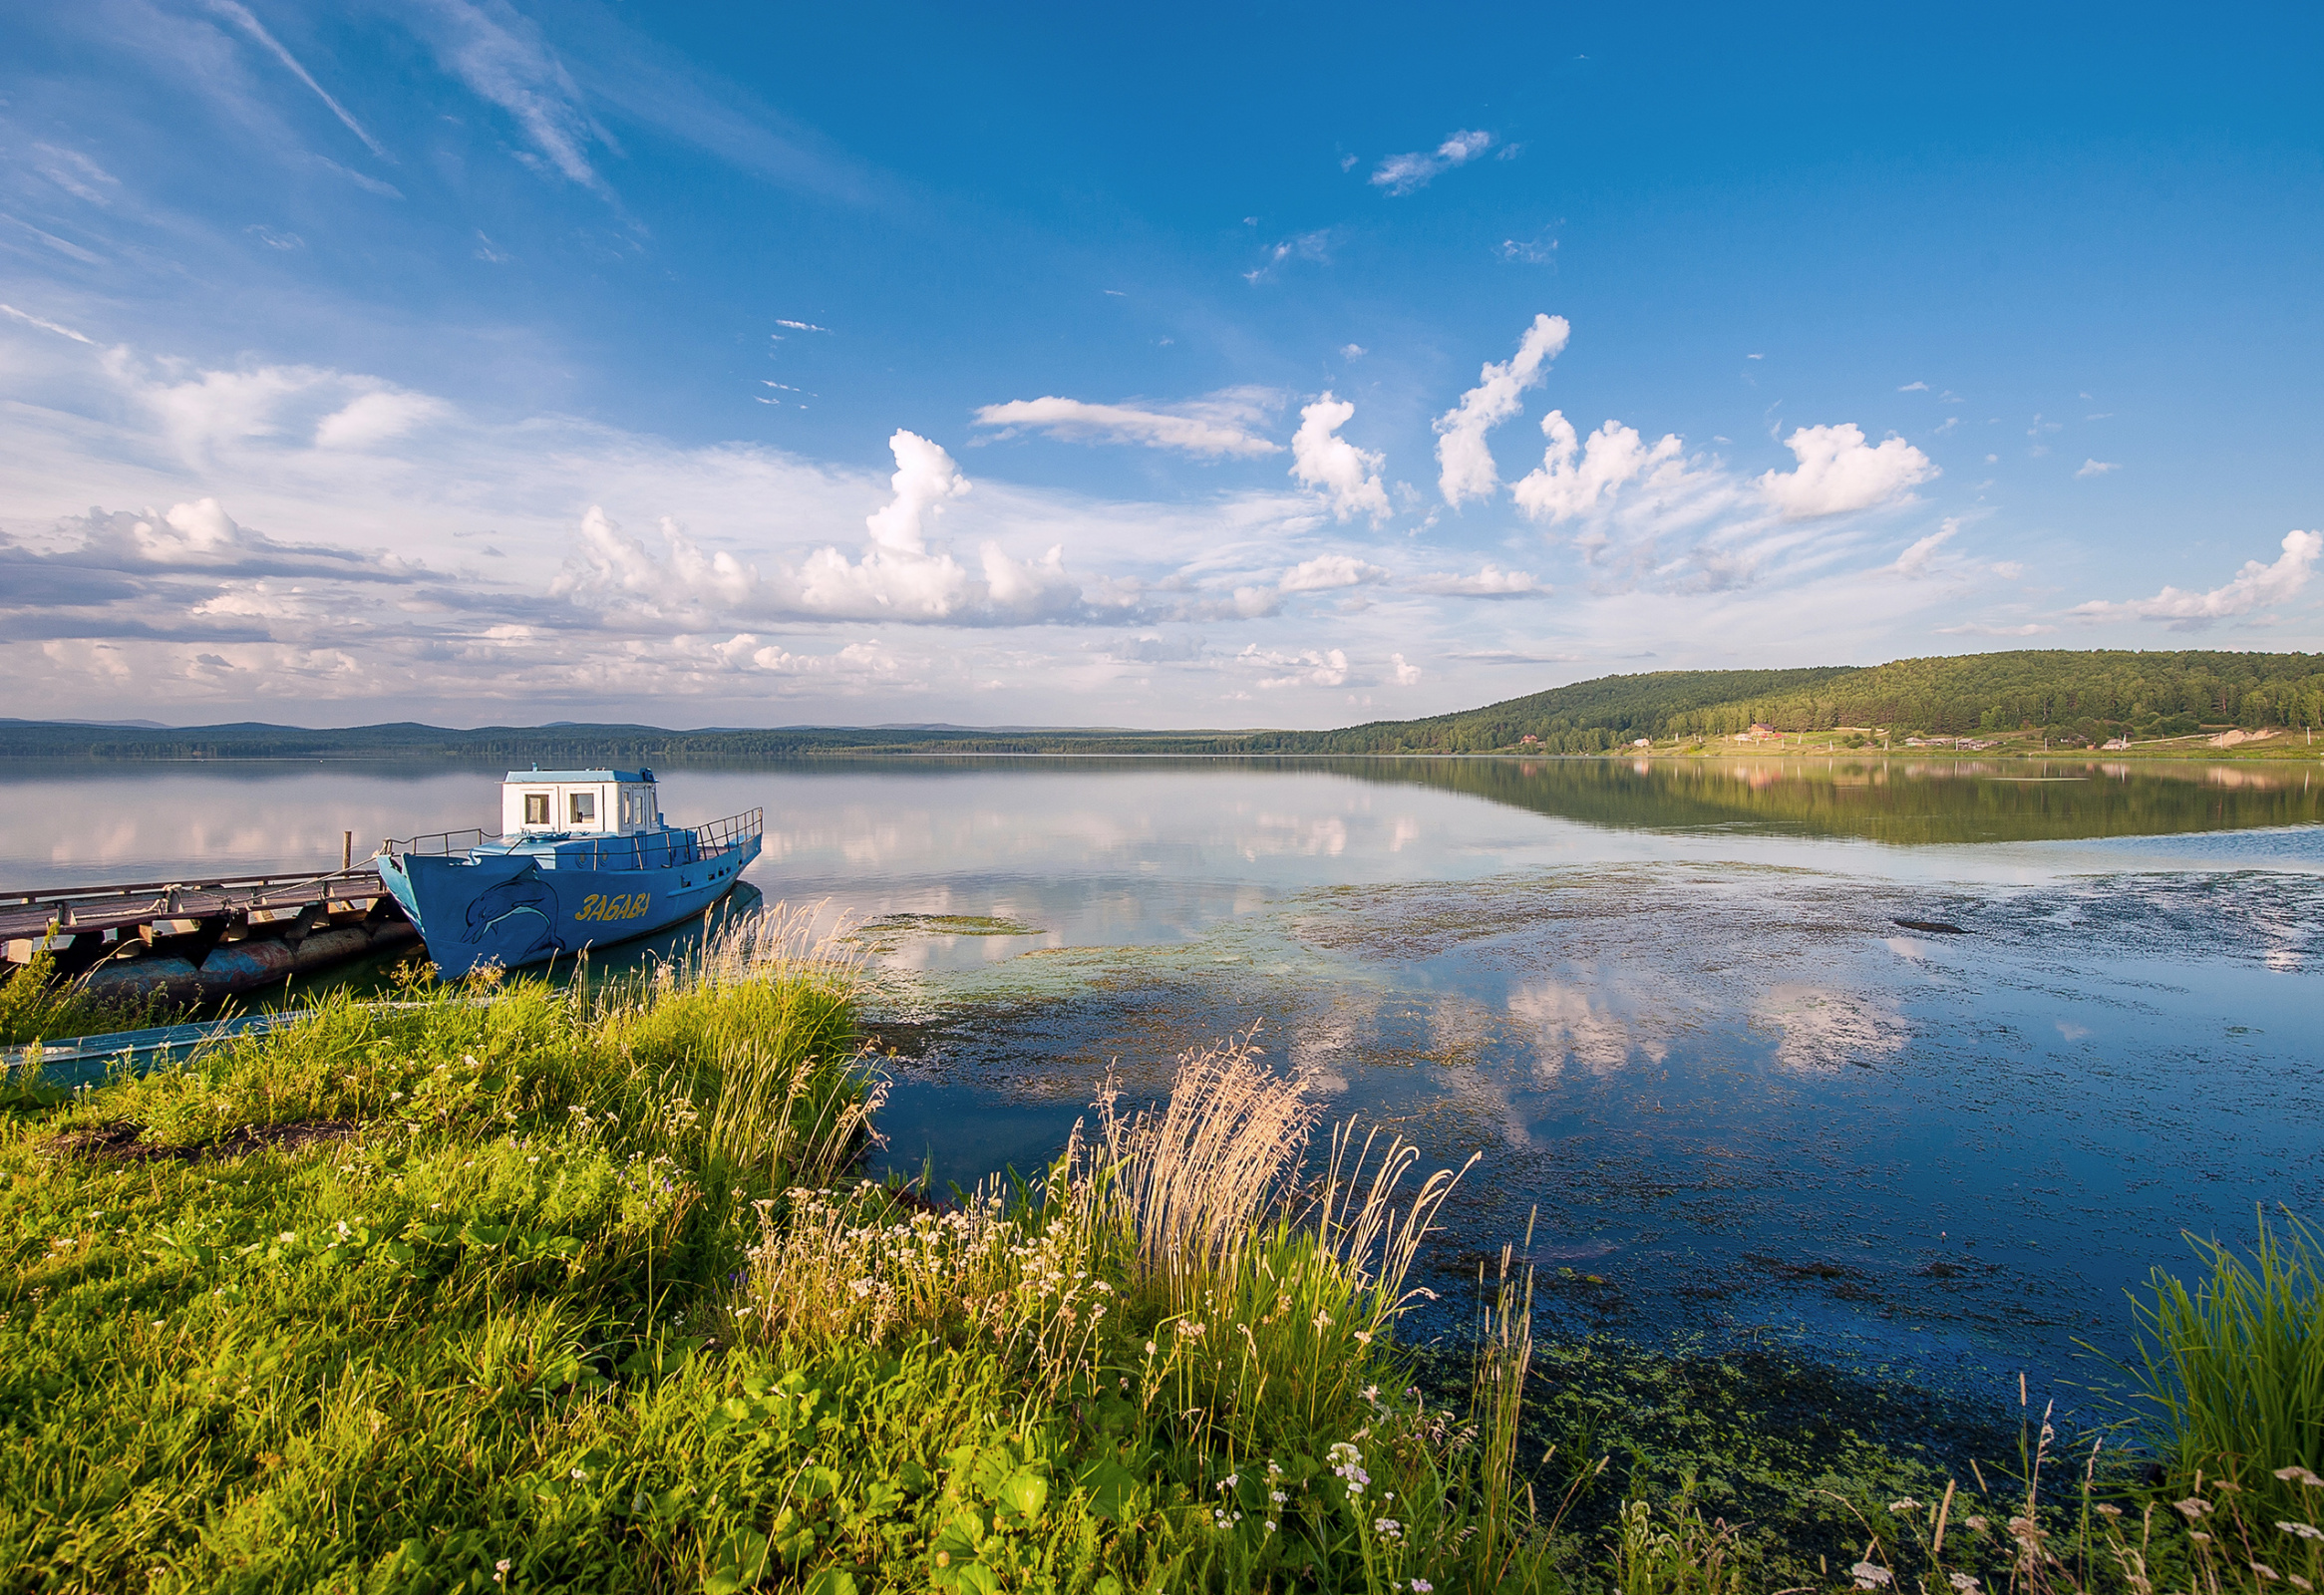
(46,325)
(1402,174)
(1217,428)
(75,173)
(240,15)
(1489,581)
(1979,628)
(505,59)
(1314,247)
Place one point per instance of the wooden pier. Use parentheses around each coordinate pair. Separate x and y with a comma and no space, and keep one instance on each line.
(204,937)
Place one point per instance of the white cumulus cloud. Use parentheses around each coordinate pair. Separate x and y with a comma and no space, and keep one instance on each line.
(899,576)
(1327,571)
(1466,469)
(606,565)
(926,475)
(2097,467)
(1347,476)
(1562,487)
(2253,587)
(1838,471)
(1309,667)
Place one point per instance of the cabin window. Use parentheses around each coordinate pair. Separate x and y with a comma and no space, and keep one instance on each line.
(537,809)
(584,808)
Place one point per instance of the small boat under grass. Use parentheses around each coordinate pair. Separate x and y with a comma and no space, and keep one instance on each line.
(582,858)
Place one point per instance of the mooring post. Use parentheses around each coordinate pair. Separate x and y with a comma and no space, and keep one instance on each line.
(346,852)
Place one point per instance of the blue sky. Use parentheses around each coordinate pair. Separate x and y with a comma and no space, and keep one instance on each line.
(1232,366)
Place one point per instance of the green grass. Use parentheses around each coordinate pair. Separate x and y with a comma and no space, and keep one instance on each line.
(529,1288)
(2231,1372)
(34,1004)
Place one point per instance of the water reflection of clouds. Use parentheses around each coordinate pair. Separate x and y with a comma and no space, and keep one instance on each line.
(1324,1042)
(1574,1023)
(1306,836)
(1819,1029)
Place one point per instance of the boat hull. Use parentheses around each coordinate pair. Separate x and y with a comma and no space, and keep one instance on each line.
(511,909)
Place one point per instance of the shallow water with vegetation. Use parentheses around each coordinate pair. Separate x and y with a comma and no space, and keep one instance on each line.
(1743,1106)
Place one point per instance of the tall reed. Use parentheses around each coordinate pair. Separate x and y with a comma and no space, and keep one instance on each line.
(1505,1359)
(2232,1371)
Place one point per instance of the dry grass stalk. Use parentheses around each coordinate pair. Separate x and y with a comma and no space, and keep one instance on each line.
(1195,1179)
(1370,1237)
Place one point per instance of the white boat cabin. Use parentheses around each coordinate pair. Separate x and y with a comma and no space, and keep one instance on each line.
(578,803)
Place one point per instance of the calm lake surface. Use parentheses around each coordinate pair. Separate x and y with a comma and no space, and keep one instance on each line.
(1670,1004)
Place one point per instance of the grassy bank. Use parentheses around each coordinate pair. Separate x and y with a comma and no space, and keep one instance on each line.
(567,1289)
(534,1288)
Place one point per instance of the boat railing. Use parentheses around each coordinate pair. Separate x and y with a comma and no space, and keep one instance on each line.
(604,852)
(732,831)
(439,844)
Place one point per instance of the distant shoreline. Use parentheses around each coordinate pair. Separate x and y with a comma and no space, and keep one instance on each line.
(2266,754)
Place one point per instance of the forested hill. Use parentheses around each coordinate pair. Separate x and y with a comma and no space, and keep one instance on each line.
(571,745)
(2087,692)
(2092,693)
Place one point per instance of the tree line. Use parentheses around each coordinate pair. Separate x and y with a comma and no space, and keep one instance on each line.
(2061,693)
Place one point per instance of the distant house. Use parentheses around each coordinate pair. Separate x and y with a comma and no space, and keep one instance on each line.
(1643,742)
(1528,737)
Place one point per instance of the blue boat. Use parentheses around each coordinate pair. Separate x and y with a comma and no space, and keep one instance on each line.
(582,858)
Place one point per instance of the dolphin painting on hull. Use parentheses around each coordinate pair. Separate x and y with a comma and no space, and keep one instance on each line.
(515,919)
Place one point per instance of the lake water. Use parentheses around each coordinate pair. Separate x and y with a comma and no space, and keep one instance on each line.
(1671,1005)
